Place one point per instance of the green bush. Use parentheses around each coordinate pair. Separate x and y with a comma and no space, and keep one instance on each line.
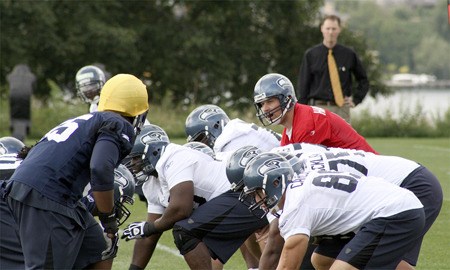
(47,114)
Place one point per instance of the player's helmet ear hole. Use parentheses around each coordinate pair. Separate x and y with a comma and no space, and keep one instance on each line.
(276,182)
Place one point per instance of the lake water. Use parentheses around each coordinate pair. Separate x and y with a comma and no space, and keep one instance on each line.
(433,103)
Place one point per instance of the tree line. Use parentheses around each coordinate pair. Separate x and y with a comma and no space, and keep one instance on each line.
(192,51)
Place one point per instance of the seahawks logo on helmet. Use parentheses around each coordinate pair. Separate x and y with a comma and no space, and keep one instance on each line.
(268,166)
(282,82)
(154,136)
(207,113)
(121,179)
(247,156)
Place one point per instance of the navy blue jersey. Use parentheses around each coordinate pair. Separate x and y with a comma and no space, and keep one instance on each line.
(58,166)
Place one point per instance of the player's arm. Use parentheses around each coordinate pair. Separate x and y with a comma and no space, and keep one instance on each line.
(180,205)
(104,157)
(144,247)
(293,252)
(272,251)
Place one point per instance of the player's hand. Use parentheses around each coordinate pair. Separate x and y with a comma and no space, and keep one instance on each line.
(137,230)
(112,246)
(109,223)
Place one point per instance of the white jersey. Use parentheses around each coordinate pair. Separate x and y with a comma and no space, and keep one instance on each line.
(179,164)
(298,149)
(391,168)
(333,203)
(237,134)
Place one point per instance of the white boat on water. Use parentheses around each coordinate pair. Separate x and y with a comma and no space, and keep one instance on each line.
(410,80)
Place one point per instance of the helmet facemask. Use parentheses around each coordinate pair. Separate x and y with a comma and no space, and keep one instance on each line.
(204,137)
(286,104)
(124,187)
(258,207)
(122,212)
(89,91)
(139,121)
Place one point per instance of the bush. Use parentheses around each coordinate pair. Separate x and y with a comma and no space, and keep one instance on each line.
(47,114)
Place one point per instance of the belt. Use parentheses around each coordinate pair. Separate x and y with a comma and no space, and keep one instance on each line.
(313,102)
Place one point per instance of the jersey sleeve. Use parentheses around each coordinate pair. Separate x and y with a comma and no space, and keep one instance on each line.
(119,132)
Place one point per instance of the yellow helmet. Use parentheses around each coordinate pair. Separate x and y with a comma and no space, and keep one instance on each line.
(125,94)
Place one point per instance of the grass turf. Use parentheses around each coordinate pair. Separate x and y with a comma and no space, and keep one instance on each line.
(432,153)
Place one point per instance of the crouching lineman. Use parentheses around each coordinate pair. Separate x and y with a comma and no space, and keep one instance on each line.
(208,220)
(385,218)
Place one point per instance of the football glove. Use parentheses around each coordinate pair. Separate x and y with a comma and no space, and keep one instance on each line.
(112,246)
(137,230)
(109,222)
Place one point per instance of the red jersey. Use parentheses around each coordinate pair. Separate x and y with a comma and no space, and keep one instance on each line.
(316,125)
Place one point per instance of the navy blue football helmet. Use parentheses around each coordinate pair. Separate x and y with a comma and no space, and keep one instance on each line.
(89,81)
(124,186)
(147,149)
(278,86)
(202,148)
(266,177)
(205,123)
(10,145)
(236,165)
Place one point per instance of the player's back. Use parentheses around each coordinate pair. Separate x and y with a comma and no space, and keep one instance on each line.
(391,168)
(331,203)
(54,164)
(178,164)
(238,133)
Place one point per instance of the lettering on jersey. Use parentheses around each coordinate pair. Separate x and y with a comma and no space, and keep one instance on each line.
(318,110)
(125,136)
(298,181)
(168,165)
(207,113)
(316,162)
(269,165)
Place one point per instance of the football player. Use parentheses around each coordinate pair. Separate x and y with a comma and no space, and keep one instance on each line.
(89,81)
(55,228)
(211,125)
(276,104)
(207,218)
(397,170)
(385,218)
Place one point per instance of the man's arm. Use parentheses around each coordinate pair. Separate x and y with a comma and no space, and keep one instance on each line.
(144,248)
(180,205)
(271,253)
(304,80)
(363,83)
(293,252)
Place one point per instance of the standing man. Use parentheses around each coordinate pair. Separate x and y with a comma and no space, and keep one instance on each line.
(43,195)
(326,61)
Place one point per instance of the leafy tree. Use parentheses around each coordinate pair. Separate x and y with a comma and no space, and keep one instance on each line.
(190,51)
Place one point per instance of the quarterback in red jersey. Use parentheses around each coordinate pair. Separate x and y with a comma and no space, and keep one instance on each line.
(276,103)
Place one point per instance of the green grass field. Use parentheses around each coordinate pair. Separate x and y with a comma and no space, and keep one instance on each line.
(433,153)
